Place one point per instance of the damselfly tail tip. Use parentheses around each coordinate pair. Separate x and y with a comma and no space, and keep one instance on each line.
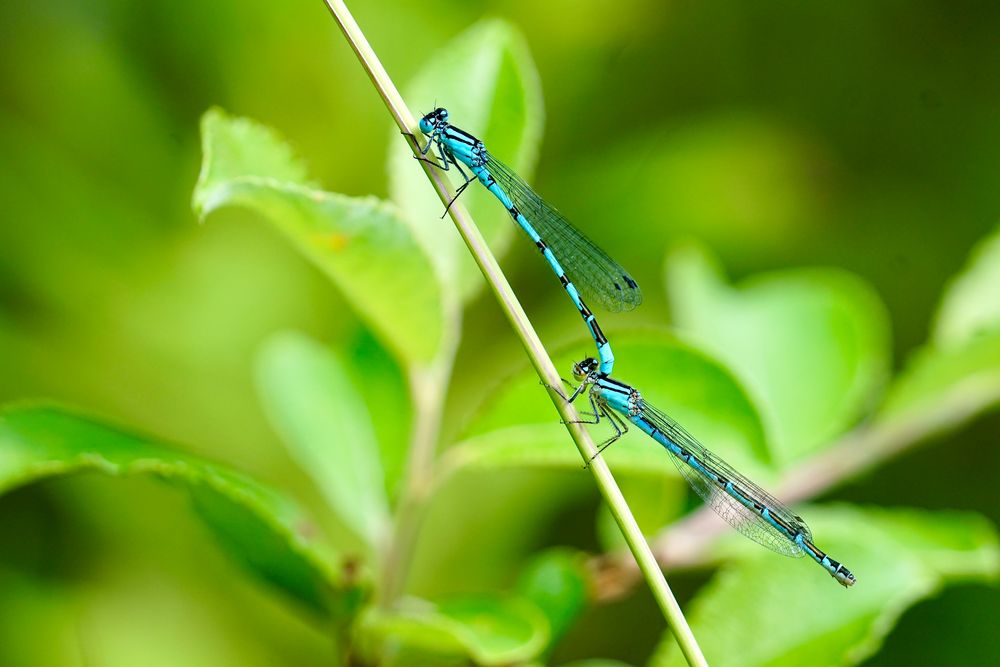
(845,577)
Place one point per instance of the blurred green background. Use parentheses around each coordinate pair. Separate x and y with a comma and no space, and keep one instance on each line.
(852,135)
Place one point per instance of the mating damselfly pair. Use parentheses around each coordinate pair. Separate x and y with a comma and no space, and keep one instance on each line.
(577,261)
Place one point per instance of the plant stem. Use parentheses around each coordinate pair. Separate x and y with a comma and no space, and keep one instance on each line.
(427,390)
(529,339)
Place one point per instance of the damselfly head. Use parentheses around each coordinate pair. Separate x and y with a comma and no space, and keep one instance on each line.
(582,370)
(430,121)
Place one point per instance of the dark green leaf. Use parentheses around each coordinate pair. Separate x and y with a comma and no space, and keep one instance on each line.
(557,582)
(812,345)
(486,79)
(323,420)
(362,244)
(259,527)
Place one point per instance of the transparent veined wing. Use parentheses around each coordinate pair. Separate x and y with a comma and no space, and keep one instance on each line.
(597,276)
(744,519)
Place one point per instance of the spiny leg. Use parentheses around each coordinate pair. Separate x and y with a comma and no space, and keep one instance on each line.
(461,189)
(423,151)
(621,428)
(443,165)
(563,396)
(596,414)
(446,160)
(458,165)
(558,391)
(576,392)
(430,162)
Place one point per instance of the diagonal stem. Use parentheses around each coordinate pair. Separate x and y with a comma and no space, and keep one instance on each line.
(532,344)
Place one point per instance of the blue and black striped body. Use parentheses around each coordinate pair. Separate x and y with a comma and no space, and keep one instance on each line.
(461,148)
(746,506)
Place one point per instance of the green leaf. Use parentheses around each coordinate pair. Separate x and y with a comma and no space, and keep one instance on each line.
(801,616)
(364,245)
(260,528)
(520,428)
(812,345)
(557,582)
(957,376)
(487,80)
(947,386)
(236,148)
(408,638)
(956,546)
(495,629)
(970,305)
(326,426)
(489,629)
(385,388)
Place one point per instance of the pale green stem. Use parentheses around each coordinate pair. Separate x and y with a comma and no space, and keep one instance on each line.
(427,389)
(532,345)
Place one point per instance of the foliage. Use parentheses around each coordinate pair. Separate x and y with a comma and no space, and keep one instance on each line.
(773,372)
(261,528)
(852,627)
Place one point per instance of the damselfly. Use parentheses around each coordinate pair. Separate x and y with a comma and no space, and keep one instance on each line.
(598,276)
(747,507)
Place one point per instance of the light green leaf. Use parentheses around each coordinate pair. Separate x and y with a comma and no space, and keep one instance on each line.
(362,244)
(489,629)
(497,630)
(597,663)
(520,428)
(971,304)
(260,528)
(385,388)
(487,80)
(947,386)
(958,375)
(956,546)
(557,582)
(811,345)
(801,616)
(326,426)
(239,147)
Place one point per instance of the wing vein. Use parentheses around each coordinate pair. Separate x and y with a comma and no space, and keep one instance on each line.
(596,275)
